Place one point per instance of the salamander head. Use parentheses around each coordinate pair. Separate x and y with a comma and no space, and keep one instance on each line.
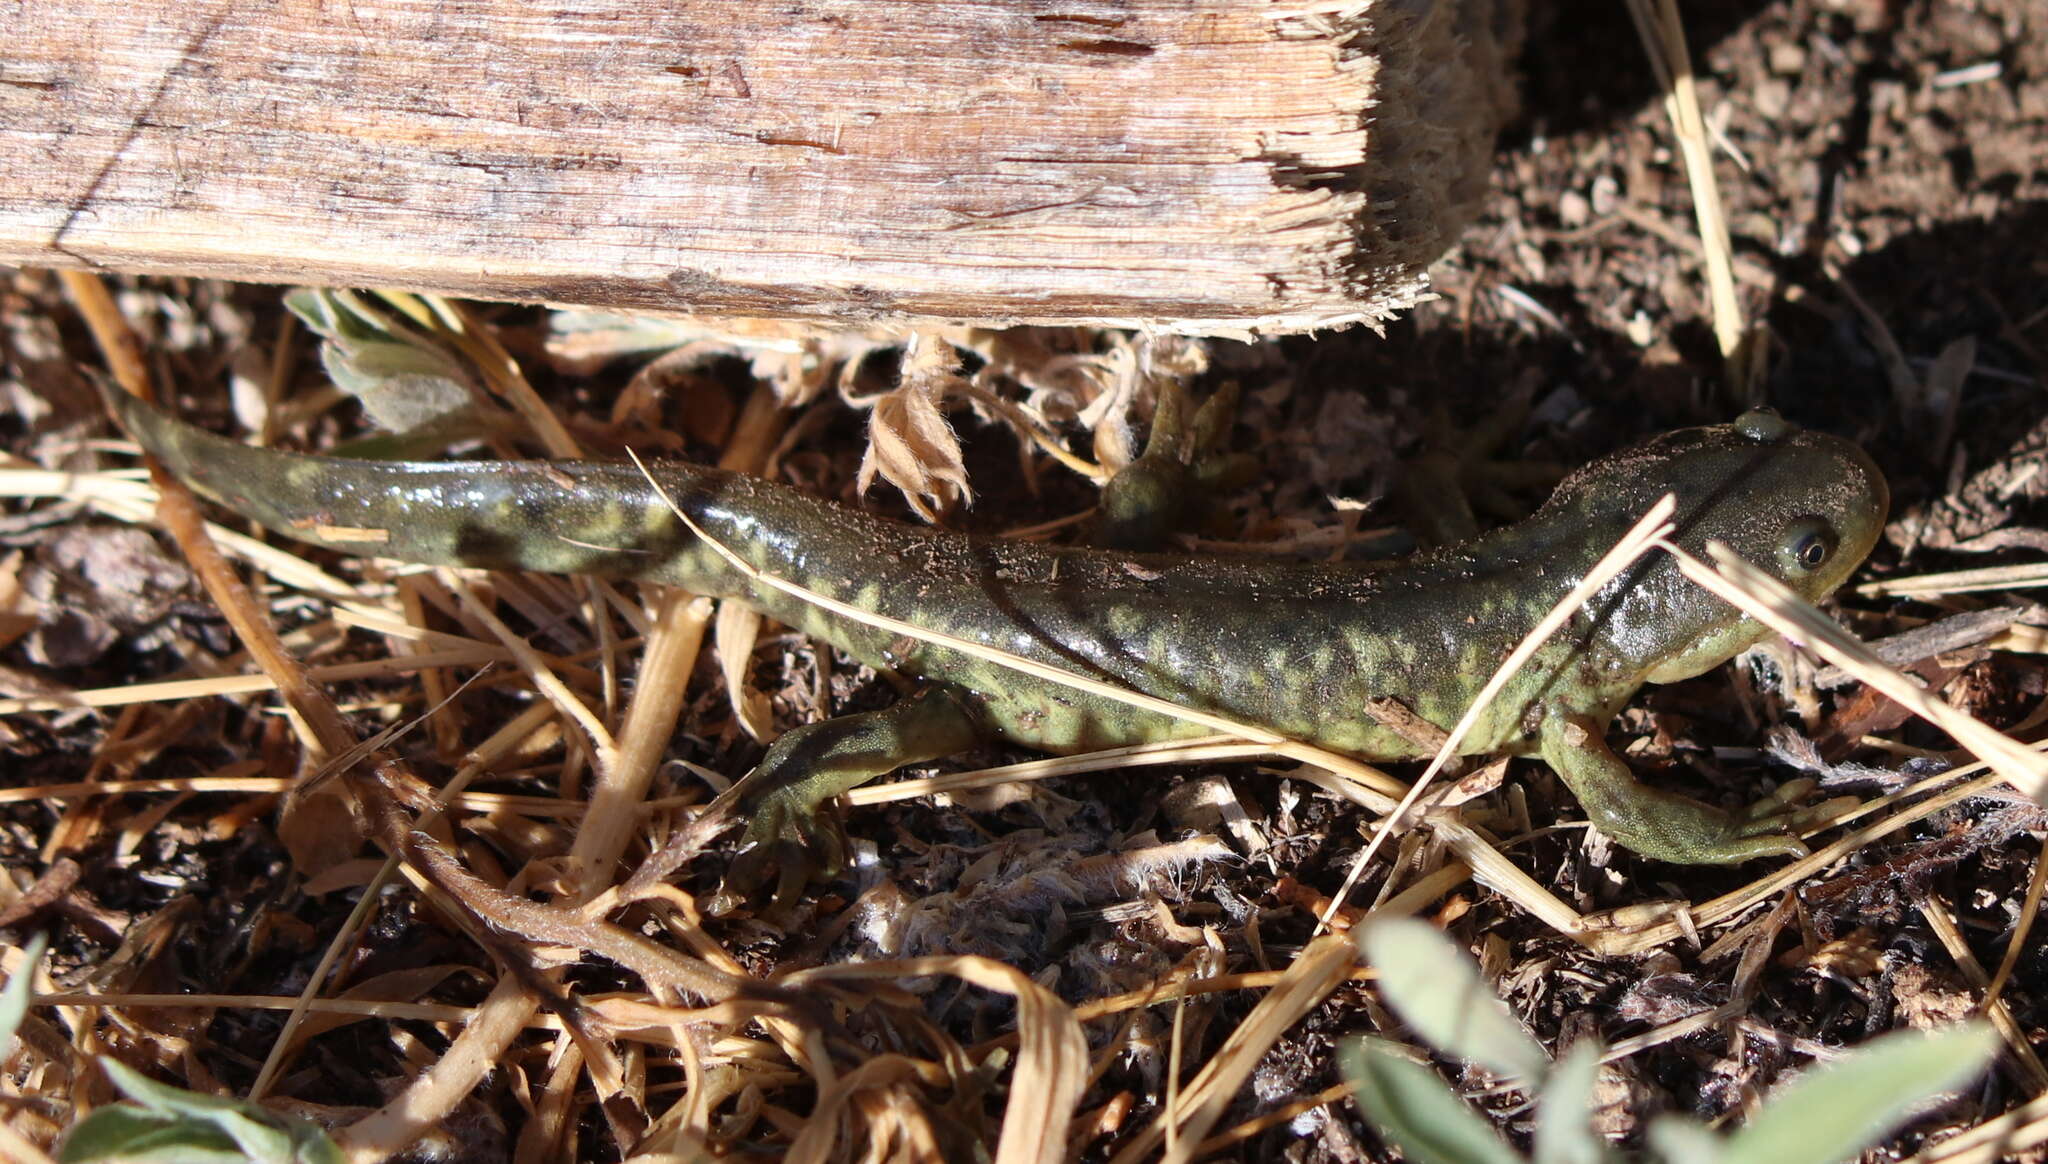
(1804,507)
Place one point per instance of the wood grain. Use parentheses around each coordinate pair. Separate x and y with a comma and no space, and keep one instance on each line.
(1203,165)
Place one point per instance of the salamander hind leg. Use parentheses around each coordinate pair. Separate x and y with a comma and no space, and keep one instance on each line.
(1462,471)
(1170,486)
(1659,824)
(782,802)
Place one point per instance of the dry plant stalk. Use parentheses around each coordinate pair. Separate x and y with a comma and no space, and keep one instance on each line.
(1213,165)
(1940,917)
(1326,962)
(1663,35)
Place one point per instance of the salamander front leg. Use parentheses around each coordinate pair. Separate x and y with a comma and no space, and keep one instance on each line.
(1656,823)
(782,802)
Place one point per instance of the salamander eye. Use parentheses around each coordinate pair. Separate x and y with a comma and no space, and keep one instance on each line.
(1811,551)
(1807,545)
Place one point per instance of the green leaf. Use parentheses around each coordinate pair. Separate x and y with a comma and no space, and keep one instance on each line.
(315,308)
(1564,1127)
(1677,1140)
(1835,1111)
(1432,985)
(169,1125)
(125,1132)
(1413,1109)
(402,386)
(614,336)
(406,379)
(21,988)
(336,314)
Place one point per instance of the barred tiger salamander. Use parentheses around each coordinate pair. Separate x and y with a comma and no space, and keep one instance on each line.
(1300,648)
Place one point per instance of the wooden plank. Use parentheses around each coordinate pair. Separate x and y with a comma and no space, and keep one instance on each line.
(1205,165)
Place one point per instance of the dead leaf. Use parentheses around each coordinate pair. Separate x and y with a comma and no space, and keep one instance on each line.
(909,442)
